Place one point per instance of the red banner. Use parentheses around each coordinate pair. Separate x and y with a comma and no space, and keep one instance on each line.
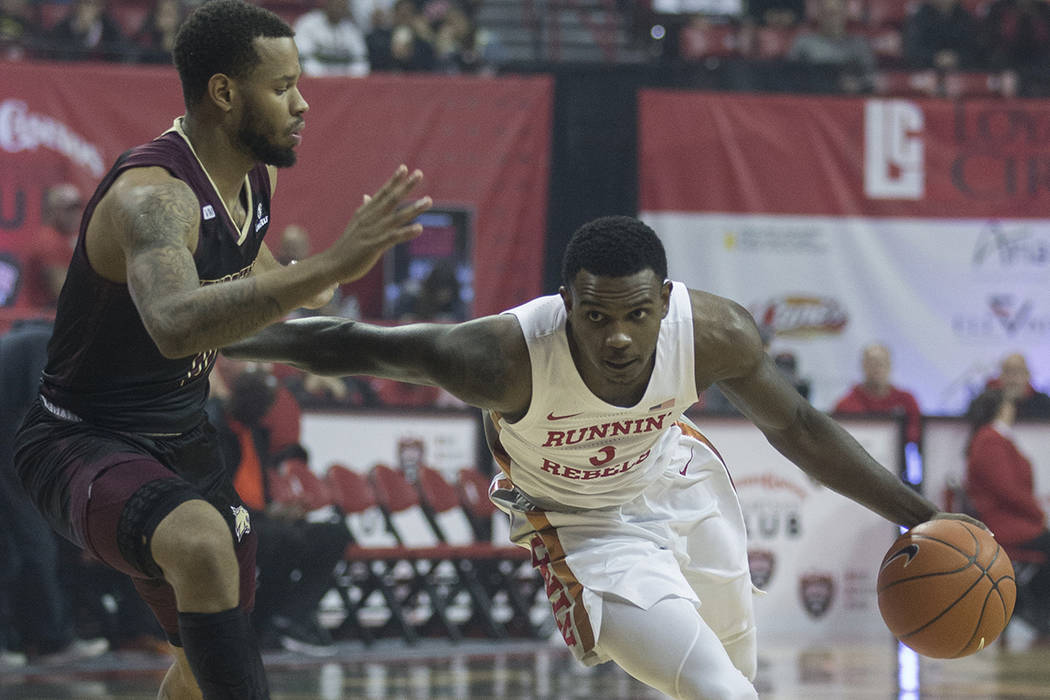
(843,156)
(483,145)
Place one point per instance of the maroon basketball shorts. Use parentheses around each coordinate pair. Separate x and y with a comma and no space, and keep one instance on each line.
(106,491)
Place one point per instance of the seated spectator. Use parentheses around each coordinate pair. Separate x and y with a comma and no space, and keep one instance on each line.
(369,14)
(330,43)
(88,33)
(438,298)
(941,34)
(875,395)
(832,44)
(1001,490)
(1016,382)
(462,47)
(48,258)
(406,45)
(20,29)
(1015,34)
(155,40)
(296,556)
(293,245)
(776,13)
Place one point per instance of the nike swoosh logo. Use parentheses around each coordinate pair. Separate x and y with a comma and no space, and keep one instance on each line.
(909,551)
(687,463)
(551,416)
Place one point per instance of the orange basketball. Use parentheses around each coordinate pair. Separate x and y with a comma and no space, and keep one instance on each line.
(946,589)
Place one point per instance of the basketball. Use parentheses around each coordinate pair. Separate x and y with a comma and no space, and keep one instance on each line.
(946,589)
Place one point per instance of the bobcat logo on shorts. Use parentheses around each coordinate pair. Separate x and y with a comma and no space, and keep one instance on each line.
(761,563)
(242,524)
(817,591)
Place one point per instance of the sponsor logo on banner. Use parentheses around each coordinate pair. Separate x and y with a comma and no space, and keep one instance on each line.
(1001,151)
(1006,316)
(780,238)
(762,562)
(772,506)
(1013,247)
(817,591)
(801,315)
(894,157)
(22,130)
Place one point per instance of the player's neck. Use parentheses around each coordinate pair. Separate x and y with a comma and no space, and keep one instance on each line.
(224,162)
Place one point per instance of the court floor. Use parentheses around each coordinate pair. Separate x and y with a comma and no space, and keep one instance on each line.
(516,670)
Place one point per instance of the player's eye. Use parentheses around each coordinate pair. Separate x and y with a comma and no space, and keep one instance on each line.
(595,316)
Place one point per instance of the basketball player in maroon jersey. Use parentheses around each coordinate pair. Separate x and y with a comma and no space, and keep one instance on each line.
(170,263)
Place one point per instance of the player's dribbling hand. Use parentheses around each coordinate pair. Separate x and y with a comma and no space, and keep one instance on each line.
(380,223)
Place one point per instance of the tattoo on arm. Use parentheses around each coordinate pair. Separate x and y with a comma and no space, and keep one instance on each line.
(159,228)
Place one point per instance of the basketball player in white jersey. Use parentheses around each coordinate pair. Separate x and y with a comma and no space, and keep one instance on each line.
(628,509)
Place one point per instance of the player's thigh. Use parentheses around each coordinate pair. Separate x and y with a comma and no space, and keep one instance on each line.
(671,648)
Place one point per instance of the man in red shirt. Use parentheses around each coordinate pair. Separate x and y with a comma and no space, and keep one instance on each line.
(876,396)
(48,258)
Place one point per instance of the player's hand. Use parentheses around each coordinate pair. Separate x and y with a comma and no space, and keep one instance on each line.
(944,515)
(380,223)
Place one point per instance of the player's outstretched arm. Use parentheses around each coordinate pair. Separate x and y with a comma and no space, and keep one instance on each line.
(808,437)
(155,220)
(484,362)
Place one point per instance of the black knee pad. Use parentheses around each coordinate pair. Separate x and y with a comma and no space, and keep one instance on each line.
(141,515)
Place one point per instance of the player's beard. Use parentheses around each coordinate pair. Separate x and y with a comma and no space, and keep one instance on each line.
(259,145)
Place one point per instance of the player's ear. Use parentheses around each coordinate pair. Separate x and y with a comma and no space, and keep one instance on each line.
(220,91)
(566,297)
(665,297)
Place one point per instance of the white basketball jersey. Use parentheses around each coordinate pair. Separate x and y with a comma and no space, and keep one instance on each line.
(573,449)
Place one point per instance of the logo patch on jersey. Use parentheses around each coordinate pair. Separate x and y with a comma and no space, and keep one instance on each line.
(242,523)
(208,212)
(551,416)
(260,219)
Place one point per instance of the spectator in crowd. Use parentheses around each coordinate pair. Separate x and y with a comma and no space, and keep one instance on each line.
(20,29)
(438,298)
(293,245)
(463,47)
(296,557)
(406,45)
(875,395)
(1000,488)
(1016,382)
(1016,34)
(941,34)
(155,39)
(31,588)
(330,43)
(776,13)
(88,32)
(369,14)
(832,44)
(52,247)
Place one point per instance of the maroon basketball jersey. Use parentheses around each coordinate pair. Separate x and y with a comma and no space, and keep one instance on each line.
(103,366)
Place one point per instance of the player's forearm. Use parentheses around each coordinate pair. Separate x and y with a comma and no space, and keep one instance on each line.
(320,345)
(215,315)
(825,451)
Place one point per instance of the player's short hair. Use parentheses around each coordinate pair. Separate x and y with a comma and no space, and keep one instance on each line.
(217,38)
(613,246)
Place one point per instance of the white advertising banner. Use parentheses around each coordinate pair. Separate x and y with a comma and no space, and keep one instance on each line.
(814,553)
(446,441)
(921,224)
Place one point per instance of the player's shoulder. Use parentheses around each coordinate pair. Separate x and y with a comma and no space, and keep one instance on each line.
(149,189)
(721,324)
